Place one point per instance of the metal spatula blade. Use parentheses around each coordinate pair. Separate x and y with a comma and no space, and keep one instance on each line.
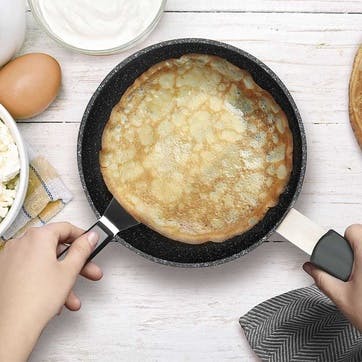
(116,218)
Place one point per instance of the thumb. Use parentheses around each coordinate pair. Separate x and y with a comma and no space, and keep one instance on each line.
(332,287)
(80,250)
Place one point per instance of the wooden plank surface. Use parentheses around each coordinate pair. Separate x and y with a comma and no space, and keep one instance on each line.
(142,311)
(308,6)
(328,6)
(311,53)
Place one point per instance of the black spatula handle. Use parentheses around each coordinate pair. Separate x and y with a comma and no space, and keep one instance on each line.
(334,255)
(105,236)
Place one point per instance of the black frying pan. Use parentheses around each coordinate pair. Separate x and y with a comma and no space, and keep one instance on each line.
(142,239)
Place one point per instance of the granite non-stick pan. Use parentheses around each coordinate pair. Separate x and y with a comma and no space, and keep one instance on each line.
(158,248)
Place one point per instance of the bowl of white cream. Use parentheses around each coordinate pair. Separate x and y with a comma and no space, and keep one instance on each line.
(14,170)
(98,26)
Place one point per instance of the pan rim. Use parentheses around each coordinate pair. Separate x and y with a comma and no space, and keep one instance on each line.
(270,73)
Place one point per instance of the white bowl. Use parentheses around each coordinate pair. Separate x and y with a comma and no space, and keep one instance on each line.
(24,170)
(39,17)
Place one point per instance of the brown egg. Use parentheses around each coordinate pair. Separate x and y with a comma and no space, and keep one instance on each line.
(29,84)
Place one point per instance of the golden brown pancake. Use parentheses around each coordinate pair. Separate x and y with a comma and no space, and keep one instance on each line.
(196,150)
(355,96)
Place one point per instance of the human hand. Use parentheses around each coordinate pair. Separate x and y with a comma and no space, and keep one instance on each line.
(34,285)
(347,296)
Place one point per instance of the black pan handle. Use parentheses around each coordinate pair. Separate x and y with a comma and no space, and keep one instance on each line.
(334,255)
(105,236)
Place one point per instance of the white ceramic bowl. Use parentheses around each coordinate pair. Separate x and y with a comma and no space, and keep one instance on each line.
(24,170)
(37,13)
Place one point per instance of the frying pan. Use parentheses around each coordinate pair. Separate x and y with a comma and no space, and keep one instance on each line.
(149,243)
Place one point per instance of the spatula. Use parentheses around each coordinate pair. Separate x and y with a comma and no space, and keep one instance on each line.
(114,220)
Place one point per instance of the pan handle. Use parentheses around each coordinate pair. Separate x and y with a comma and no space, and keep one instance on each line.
(333,254)
(328,249)
(105,236)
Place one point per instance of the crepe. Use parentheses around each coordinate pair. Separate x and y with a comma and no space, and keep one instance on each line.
(355,96)
(196,150)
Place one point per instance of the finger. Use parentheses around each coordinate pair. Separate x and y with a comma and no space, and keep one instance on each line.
(61,247)
(72,302)
(92,271)
(79,252)
(64,231)
(334,288)
(353,235)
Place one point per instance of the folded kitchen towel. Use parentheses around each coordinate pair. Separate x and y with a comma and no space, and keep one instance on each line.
(46,196)
(301,325)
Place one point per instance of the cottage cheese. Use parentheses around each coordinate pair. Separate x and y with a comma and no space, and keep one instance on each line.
(9,170)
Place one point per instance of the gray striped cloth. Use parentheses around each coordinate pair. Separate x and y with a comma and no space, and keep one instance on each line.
(301,325)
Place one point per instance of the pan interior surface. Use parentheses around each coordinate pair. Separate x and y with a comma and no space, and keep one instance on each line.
(142,239)
(196,150)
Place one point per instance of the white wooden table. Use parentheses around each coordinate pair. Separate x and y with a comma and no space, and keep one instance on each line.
(143,311)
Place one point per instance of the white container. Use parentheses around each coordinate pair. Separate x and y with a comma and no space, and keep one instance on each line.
(97,27)
(24,170)
(12,28)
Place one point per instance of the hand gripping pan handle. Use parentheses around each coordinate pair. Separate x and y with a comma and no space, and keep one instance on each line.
(105,236)
(328,250)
